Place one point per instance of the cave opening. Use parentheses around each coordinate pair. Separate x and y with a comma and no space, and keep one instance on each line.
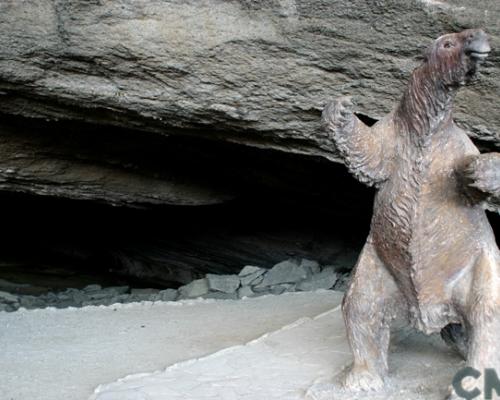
(268,206)
(273,206)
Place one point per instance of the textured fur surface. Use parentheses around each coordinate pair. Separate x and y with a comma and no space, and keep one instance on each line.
(431,255)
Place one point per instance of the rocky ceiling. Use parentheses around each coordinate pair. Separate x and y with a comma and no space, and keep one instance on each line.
(255,73)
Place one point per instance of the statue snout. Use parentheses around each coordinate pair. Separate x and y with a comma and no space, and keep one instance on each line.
(477,45)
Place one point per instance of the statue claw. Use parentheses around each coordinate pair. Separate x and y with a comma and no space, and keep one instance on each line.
(346,102)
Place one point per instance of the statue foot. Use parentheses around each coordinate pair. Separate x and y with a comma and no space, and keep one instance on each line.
(362,379)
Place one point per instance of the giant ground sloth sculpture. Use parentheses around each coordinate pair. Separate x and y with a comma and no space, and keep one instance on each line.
(431,254)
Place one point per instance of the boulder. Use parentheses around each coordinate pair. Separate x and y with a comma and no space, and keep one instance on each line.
(8,298)
(282,288)
(168,295)
(249,270)
(92,288)
(144,291)
(31,302)
(220,296)
(223,283)
(245,291)
(6,307)
(196,288)
(288,271)
(311,265)
(324,280)
(251,275)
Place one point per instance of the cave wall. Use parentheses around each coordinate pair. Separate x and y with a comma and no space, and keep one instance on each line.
(251,72)
(255,73)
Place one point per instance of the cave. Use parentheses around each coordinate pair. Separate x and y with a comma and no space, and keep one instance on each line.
(256,207)
(266,206)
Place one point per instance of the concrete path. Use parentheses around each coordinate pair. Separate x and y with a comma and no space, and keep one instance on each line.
(303,360)
(64,354)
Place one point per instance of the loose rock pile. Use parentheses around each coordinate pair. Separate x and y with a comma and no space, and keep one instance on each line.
(287,276)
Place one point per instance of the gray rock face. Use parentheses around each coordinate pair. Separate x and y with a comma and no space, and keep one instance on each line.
(249,270)
(251,275)
(245,291)
(145,294)
(282,288)
(256,73)
(323,280)
(8,298)
(168,295)
(257,281)
(92,288)
(287,271)
(311,265)
(144,291)
(31,302)
(287,276)
(197,288)
(6,307)
(221,296)
(223,283)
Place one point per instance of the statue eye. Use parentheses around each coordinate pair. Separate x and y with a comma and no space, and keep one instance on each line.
(448,44)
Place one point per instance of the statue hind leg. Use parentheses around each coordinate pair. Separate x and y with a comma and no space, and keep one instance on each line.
(482,318)
(369,306)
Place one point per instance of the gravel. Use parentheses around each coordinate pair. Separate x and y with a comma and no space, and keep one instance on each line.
(252,281)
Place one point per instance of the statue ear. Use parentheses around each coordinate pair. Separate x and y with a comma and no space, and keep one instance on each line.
(427,52)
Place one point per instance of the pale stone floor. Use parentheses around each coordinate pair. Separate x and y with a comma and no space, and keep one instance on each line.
(289,347)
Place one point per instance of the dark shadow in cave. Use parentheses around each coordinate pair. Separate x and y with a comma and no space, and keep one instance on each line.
(285,206)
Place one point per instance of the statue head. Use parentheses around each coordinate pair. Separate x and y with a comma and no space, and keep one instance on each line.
(452,59)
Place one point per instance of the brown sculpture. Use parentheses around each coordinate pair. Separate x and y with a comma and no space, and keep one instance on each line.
(431,255)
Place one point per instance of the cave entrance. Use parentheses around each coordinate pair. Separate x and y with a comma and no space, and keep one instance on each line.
(239,206)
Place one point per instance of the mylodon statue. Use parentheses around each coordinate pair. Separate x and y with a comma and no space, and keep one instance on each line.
(431,255)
